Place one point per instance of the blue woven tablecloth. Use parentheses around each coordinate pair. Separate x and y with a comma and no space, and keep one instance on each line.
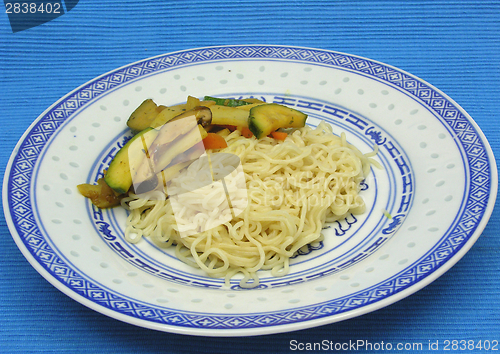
(454,45)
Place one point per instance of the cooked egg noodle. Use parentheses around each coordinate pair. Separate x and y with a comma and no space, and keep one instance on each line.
(294,187)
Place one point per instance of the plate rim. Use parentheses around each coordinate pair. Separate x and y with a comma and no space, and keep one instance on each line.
(264,329)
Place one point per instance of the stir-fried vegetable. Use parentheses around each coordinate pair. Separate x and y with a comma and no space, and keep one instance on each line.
(279,135)
(229,102)
(214,141)
(267,118)
(101,195)
(169,138)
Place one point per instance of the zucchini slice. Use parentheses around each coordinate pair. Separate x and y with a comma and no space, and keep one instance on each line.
(101,195)
(266,118)
(144,115)
(224,115)
(228,102)
(172,140)
(119,175)
(168,114)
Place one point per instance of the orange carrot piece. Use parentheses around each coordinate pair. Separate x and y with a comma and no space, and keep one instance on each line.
(214,141)
(246,132)
(279,135)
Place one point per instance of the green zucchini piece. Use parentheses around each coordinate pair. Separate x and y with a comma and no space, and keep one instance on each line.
(166,153)
(119,176)
(101,195)
(168,114)
(167,147)
(223,115)
(266,118)
(144,115)
(229,102)
(160,150)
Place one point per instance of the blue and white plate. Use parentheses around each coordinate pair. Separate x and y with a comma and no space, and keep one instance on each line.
(425,208)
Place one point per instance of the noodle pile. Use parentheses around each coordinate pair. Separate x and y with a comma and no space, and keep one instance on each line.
(293,188)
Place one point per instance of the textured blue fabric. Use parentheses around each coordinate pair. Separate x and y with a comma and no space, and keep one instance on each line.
(454,45)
